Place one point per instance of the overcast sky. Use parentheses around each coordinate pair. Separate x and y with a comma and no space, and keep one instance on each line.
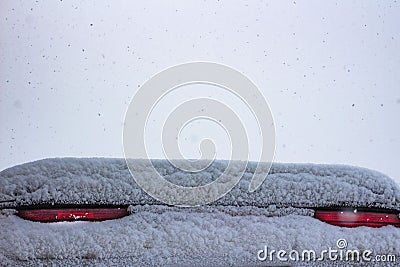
(330,71)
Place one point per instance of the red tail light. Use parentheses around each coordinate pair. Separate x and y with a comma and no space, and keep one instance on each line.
(354,218)
(72,214)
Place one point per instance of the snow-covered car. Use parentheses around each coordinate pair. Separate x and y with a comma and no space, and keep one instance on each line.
(69,211)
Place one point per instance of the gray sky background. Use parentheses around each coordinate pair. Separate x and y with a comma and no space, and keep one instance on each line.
(330,71)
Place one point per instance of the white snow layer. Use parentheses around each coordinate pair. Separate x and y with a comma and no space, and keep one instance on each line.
(172,236)
(228,232)
(99,180)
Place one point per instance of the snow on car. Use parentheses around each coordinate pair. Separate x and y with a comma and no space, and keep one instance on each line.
(70,211)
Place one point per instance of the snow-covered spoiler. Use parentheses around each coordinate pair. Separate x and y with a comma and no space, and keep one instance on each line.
(93,181)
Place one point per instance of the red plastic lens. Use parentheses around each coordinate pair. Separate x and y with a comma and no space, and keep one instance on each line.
(354,218)
(72,214)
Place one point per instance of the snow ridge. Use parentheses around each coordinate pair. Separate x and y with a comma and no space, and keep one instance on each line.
(108,181)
